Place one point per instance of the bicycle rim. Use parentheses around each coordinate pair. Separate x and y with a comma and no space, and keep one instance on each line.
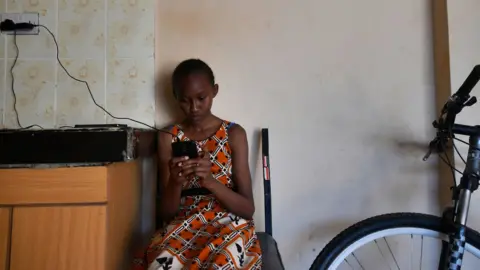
(394,232)
(372,229)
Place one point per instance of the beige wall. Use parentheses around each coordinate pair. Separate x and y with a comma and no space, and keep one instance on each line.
(109,43)
(346,89)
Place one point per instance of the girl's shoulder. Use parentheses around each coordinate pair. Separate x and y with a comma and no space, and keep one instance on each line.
(230,125)
(170,131)
(235,131)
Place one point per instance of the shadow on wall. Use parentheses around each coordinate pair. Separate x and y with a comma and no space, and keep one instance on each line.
(316,234)
(164,100)
(255,153)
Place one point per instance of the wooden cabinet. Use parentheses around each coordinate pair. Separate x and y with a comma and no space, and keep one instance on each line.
(5,223)
(70,218)
(58,237)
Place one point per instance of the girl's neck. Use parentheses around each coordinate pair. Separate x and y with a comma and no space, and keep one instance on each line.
(203,124)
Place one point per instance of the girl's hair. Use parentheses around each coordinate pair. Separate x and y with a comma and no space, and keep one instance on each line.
(189,67)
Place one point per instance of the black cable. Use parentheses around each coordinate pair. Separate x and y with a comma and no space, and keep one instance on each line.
(69,75)
(453,169)
(17,53)
(458,153)
(29,127)
(13,77)
(452,136)
(12,86)
(447,161)
(88,86)
(464,142)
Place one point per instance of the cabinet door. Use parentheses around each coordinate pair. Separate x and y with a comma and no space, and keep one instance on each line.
(58,238)
(5,222)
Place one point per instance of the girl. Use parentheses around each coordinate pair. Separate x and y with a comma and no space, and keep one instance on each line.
(208,200)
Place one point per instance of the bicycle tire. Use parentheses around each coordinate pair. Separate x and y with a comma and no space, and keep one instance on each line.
(384,222)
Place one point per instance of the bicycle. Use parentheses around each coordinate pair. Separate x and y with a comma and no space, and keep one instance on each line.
(451,227)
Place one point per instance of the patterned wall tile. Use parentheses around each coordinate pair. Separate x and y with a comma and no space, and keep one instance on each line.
(130,90)
(74,103)
(34,90)
(128,37)
(41,46)
(82,31)
(3,8)
(2,46)
(81,25)
(3,89)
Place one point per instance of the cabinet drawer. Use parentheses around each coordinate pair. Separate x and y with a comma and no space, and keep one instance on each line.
(58,238)
(48,186)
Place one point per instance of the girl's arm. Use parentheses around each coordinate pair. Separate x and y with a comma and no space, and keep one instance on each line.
(241,203)
(170,192)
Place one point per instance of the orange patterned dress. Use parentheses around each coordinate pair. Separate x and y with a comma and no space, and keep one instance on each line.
(204,235)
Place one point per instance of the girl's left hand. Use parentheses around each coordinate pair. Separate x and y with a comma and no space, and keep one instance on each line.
(202,167)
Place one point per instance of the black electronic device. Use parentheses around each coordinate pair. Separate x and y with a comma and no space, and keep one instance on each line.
(184,149)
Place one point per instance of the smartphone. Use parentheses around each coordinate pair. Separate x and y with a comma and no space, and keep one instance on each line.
(184,149)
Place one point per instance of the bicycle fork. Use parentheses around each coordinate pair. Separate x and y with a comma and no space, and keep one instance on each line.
(452,253)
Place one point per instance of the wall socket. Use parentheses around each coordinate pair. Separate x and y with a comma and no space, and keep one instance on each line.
(28,17)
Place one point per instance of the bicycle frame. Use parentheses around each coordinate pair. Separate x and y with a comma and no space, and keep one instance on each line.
(452,253)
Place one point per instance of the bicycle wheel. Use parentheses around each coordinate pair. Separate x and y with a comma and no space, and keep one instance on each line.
(371,229)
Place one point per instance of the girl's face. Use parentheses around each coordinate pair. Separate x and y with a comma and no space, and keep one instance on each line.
(195,96)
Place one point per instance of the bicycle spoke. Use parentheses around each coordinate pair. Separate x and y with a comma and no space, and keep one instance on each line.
(394,259)
(411,253)
(353,254)
(351,267)
(421,254)
(383,256)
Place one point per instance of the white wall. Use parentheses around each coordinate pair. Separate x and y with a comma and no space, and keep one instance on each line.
(346,89)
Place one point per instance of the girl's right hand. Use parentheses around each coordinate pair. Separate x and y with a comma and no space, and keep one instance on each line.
(177,164)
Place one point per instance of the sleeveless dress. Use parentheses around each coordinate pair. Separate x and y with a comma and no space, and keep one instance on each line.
(203,234)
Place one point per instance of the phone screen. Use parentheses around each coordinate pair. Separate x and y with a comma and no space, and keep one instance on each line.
(184,149)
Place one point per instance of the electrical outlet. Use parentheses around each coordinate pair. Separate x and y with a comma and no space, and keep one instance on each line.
(27,17)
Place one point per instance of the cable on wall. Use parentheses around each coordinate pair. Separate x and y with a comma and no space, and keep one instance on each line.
(9,25)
